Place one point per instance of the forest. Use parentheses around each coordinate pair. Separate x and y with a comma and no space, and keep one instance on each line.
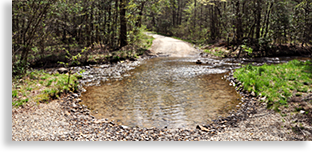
(160,70)
(45,30)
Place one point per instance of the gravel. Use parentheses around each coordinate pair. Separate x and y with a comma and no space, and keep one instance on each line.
(66,120)
(57,121)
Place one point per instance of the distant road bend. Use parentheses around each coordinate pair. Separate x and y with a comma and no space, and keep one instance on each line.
(173,47)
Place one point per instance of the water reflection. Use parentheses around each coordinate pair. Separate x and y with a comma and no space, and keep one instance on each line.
(172,92)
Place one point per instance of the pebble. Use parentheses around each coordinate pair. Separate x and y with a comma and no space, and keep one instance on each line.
(52,122)
(83,127)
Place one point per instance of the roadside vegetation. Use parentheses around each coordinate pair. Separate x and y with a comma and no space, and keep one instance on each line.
(276,84)
(141,44)
(217,51)
(45,32)
(39,86)
(269,28)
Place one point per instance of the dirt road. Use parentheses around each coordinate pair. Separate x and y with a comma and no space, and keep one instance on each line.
(173,47)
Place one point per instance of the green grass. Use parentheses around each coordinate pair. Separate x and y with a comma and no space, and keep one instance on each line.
(277,82)
(14,93)
(39,86)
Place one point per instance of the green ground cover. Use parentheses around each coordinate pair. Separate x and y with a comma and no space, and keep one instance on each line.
(39,86)
(277,83)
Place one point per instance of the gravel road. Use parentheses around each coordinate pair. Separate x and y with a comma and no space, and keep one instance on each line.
(163,45)
(66,120)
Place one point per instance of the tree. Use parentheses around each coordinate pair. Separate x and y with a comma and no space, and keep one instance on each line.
(46,26)
(123,23)
(255,23)
(42,28)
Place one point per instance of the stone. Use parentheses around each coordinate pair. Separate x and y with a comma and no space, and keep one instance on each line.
(75,95)
(199,127)
(133,59)
(117,77)
(198,62)
(124,127)
(100,121)
(62,70)
(74,105)
(253,94)
(79,100)
(263,98)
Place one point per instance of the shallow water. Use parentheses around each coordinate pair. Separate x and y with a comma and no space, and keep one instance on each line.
(170,92)
(164,92)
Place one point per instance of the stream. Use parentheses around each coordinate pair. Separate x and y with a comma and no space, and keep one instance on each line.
(169,92)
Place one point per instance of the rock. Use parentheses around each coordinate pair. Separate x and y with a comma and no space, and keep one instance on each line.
(253,94)
(123,127)
(133,59)
(62,70)
(198,62)
(75,95)
(212,131)
(263,98)
(117,77)
(163,55)
(104,66)
(79,100)
(233,84)
(199,127)
(74,105)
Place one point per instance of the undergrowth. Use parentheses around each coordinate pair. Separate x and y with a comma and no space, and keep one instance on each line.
(277,83)
(39,86)
(217,51)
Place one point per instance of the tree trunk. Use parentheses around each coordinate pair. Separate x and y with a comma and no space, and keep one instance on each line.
(258,26)
(267,21)
(194,14)
(123,23)
(139,22)
(212,24)
(173,8)
(239,31)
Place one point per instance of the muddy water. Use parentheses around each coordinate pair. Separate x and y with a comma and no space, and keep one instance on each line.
(164,92)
